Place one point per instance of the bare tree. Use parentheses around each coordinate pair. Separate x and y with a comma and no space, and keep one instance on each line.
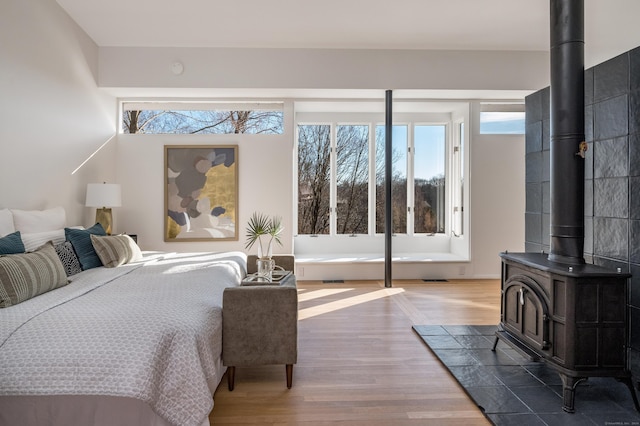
(314,163)
(429,194)
(398,188)
(137,121)
(192,122)
(352,179)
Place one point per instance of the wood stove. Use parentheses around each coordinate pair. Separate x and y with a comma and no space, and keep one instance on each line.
(555,307)
(572,317)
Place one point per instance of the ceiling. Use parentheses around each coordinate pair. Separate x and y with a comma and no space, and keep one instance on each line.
(611,26)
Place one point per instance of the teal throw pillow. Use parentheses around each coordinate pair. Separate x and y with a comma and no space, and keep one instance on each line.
(11,244)
(80,239)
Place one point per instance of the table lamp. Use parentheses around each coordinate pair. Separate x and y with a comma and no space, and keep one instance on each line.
(103,196)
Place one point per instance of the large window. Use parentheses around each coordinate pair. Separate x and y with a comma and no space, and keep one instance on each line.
(202,118)
(341,173)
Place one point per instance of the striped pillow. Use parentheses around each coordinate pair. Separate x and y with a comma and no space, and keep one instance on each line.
(26,275)
(116,250)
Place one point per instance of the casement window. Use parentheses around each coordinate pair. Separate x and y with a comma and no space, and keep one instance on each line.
(202,117)
(341,172)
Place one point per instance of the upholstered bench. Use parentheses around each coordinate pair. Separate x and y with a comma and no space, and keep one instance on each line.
(260,326)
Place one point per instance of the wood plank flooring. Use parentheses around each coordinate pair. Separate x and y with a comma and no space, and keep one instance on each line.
(359,361)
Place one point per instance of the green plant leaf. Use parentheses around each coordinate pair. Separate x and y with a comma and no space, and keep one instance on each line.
(260,224)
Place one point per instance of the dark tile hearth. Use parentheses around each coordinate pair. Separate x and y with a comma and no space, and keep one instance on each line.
(512,390)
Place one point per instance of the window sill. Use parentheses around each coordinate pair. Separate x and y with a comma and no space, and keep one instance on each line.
(374,258)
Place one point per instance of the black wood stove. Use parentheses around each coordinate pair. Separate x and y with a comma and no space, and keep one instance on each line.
(572,317)
(555,307)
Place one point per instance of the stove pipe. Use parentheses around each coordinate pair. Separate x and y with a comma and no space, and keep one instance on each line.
(567,132)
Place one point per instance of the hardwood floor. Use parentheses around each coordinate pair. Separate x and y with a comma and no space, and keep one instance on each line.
(359,361)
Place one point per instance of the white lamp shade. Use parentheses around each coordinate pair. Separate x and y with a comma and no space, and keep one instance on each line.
(103,195)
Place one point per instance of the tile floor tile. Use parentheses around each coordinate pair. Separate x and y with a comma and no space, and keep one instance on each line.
(513,390)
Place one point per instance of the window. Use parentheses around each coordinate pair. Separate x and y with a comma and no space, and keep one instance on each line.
(352,179)
(507,118)
(429,179)
(341,174)
(202,118)
(314,167)
(399,136)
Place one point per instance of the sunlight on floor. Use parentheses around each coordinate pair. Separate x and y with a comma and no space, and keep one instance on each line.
(345,303)
(303,297)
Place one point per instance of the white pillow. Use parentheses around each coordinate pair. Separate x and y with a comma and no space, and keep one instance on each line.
(34,240)
(6,223)
(32,221)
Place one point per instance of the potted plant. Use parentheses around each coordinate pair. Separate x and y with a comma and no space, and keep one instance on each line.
(265,231)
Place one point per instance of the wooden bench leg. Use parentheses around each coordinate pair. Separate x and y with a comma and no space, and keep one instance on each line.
(231,373)
(289,375)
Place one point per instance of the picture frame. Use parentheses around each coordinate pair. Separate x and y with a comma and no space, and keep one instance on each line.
(200,193)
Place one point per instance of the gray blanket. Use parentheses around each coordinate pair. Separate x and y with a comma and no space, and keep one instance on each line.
(150,331)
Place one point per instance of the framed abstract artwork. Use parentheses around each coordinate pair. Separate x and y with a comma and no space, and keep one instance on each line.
(201,192)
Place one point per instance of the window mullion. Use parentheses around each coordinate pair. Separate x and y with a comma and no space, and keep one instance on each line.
(449,199)
(410,208)
(333,203)
(372,179)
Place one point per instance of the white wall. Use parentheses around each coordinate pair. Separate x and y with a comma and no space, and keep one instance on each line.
(497,197)
(53,116)
(323,69)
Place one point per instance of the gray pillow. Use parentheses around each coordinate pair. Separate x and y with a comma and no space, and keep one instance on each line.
(26,275)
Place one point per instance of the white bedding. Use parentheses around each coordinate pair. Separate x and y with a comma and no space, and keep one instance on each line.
(151,331)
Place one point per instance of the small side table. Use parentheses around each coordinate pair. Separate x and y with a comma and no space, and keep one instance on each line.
(260,326)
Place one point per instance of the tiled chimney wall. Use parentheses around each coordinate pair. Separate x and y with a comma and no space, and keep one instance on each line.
(612,175)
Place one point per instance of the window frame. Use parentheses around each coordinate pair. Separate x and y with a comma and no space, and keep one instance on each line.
(408,242)
(199,106)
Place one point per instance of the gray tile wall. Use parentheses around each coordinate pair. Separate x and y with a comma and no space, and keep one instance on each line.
(612,176)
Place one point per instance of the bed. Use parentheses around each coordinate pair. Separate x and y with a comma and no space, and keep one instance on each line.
(136,344)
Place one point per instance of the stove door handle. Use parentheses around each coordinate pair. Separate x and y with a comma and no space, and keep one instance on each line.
(521,291)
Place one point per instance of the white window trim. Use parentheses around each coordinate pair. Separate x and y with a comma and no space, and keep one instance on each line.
(325,246)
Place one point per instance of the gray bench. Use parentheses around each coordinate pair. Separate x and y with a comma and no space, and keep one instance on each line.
(260,325)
